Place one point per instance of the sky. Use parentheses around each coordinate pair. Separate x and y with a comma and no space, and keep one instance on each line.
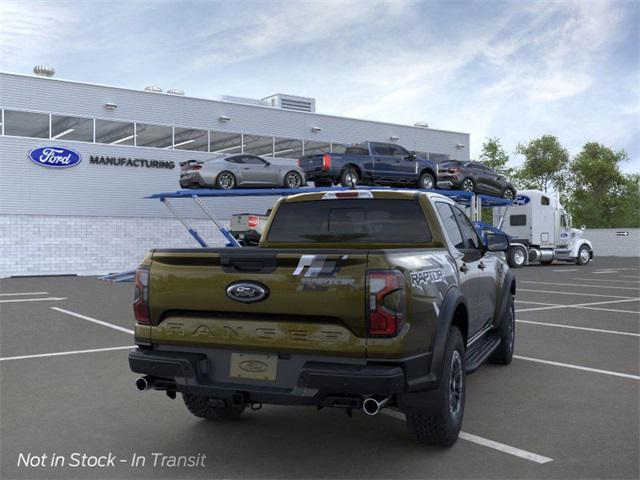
(515,70)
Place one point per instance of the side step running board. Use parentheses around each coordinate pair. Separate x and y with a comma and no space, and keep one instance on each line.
(480,351)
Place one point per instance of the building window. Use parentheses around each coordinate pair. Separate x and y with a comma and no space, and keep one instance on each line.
(287,148)
(114,133)
(191,139)
(71,128)
(156,136)
(225,143)
(313,148)
(26,124)
(258,145)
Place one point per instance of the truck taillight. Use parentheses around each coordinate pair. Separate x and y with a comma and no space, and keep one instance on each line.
(196,167)
(454,170)
(386,305)
(141,296)
(326,161)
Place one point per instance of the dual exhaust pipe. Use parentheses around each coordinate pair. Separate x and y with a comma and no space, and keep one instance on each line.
(144,383)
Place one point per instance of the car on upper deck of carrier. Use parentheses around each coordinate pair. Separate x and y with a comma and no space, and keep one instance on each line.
(353,299)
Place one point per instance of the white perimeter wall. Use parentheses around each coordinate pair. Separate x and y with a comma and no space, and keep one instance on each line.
(608,243)
(53,245)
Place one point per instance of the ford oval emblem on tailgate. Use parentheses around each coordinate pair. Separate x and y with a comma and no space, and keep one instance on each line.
(247,292)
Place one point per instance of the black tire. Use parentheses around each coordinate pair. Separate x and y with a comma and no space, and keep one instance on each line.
(468,185)
(349,177)
(226,180)
(507,333)
(293,179)
(200,406)
(441,426)
(584,255)
(508,194)
(427,181)
(517,257)
(546,262)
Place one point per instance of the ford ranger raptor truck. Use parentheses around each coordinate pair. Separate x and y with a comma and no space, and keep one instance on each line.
(354,299)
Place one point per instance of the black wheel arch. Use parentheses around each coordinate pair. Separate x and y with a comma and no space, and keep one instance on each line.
(508,287)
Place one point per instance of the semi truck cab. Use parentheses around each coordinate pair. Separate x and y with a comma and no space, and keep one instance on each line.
(541,231)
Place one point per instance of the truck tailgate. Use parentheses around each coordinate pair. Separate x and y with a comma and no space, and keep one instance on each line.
(314,301)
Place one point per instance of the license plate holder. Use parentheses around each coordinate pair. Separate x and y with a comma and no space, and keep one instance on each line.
(254,366)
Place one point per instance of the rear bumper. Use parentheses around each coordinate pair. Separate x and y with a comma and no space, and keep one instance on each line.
(191,180)
(449,181)
(315,383)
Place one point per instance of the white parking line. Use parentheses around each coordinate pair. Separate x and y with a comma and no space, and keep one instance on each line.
(578,367)
(632,312)
(628,276)
(72,352)
(485,442)
(575,293)
(23,293)
(586,329)
(605,272)
(48,299)
(582,285)
(567,270)
(93,320)
(605,280)
(587,306)
(540,303)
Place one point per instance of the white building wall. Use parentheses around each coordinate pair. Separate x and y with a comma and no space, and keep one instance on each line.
(612,242)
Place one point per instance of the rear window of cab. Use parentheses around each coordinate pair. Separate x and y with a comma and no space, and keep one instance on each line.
(366,220)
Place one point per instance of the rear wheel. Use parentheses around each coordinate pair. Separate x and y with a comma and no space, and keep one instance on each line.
(468,185)
(293,179)
(507,333)
(426,182)
(442,425)
(349,177)
(584,255)
(546,262)
(207,407)
(226,180)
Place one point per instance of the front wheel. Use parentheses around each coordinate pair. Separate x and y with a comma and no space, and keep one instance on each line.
(507,333)
(509,194)
(207,407)
(442,425)
(226,180)
(517,257)
(426,182)
(293,179)
(584,255)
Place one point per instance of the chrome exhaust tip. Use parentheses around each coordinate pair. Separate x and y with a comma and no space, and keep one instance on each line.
(372,405)
(143,383)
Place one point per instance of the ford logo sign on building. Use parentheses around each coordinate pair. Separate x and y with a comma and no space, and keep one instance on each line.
(247,292)
(55,157)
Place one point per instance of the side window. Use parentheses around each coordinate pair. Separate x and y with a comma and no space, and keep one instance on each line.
(544,200)
(235,159)
(251,160)
(398,151)
(563,220)
(469,234)
(517,220)
(450,225)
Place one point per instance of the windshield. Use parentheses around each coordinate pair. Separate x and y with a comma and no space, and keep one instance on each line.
(351,221)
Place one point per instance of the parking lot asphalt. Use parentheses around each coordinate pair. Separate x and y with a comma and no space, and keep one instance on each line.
(567,407)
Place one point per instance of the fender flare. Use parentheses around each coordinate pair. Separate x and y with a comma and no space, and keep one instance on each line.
(580,243)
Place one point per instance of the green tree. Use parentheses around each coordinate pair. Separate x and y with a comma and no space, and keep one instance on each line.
(545,164)
(600,195)
(494,156)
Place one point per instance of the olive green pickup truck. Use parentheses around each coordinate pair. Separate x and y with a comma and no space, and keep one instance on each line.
(357,299)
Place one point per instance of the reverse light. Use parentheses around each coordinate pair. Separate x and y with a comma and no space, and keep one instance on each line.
(326,161)
(141,296)
(386,306)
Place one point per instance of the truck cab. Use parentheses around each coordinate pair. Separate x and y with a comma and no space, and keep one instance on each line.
(541,231)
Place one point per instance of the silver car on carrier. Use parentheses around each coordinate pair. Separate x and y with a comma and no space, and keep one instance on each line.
(241,170)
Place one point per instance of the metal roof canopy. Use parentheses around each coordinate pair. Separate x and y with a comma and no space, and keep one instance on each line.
(474,201)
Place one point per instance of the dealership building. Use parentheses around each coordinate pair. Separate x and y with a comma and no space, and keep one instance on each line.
(92,217)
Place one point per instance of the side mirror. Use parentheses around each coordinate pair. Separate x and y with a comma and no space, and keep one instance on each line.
(266,164)
(412,156)
(496,242)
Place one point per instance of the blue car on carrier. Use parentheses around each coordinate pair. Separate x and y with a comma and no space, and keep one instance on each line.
(371,163)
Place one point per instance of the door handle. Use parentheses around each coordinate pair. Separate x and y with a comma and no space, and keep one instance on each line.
(247,168)
(482,266)
(464,268)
